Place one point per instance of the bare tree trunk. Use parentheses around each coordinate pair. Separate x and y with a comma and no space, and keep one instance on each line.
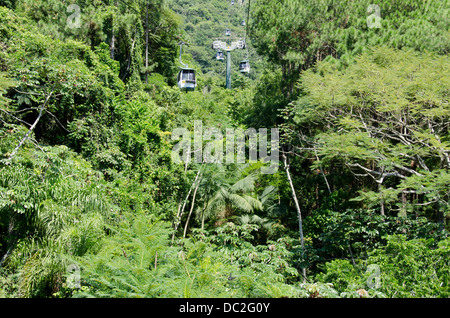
(203,219)
(321,171)
(203,214)
(181,211)
(41,111)
(192,206)
(382,199)
(113,38)
(403,208)
(146,43)
(130,56)
(297,206)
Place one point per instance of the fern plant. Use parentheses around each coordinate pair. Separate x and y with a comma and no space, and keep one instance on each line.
(49,210)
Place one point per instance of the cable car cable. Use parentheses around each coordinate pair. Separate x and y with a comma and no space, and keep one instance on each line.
(181,50)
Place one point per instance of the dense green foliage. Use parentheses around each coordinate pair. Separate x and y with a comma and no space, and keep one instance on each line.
(296,34)
(92,205)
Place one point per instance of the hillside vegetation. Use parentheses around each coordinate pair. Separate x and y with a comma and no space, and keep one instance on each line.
(92,203)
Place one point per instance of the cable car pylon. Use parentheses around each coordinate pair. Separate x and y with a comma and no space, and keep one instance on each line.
(223,46)
(220,47)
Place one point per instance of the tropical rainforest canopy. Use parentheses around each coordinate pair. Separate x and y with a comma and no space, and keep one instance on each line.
(92,203)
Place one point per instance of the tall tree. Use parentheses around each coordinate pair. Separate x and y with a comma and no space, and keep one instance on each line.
(225,193)
(386,120)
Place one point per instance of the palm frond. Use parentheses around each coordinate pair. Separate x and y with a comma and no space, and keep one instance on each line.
(255,203)
(246,184)
(240,202)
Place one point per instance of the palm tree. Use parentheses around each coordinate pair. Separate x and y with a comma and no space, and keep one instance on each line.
(270,208)
(224,196)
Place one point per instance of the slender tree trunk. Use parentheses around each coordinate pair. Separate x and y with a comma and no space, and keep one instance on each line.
(203,216)
(181,211)
(321,171)
(297,206)
(403,208)
(41,111)
(203,219)
(382,199)
(146,43)
(192,206)
(188,156)
(113,37)
(130,56)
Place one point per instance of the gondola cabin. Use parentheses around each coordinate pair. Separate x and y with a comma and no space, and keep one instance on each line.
(219,56)
(240,44)
(228,32)
(244,66)
(186,79)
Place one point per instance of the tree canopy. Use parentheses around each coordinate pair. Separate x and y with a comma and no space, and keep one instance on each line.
(92,204)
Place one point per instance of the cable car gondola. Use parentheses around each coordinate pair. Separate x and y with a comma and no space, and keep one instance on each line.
(220,56)
(244,66)
(228,32)
(186,79)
